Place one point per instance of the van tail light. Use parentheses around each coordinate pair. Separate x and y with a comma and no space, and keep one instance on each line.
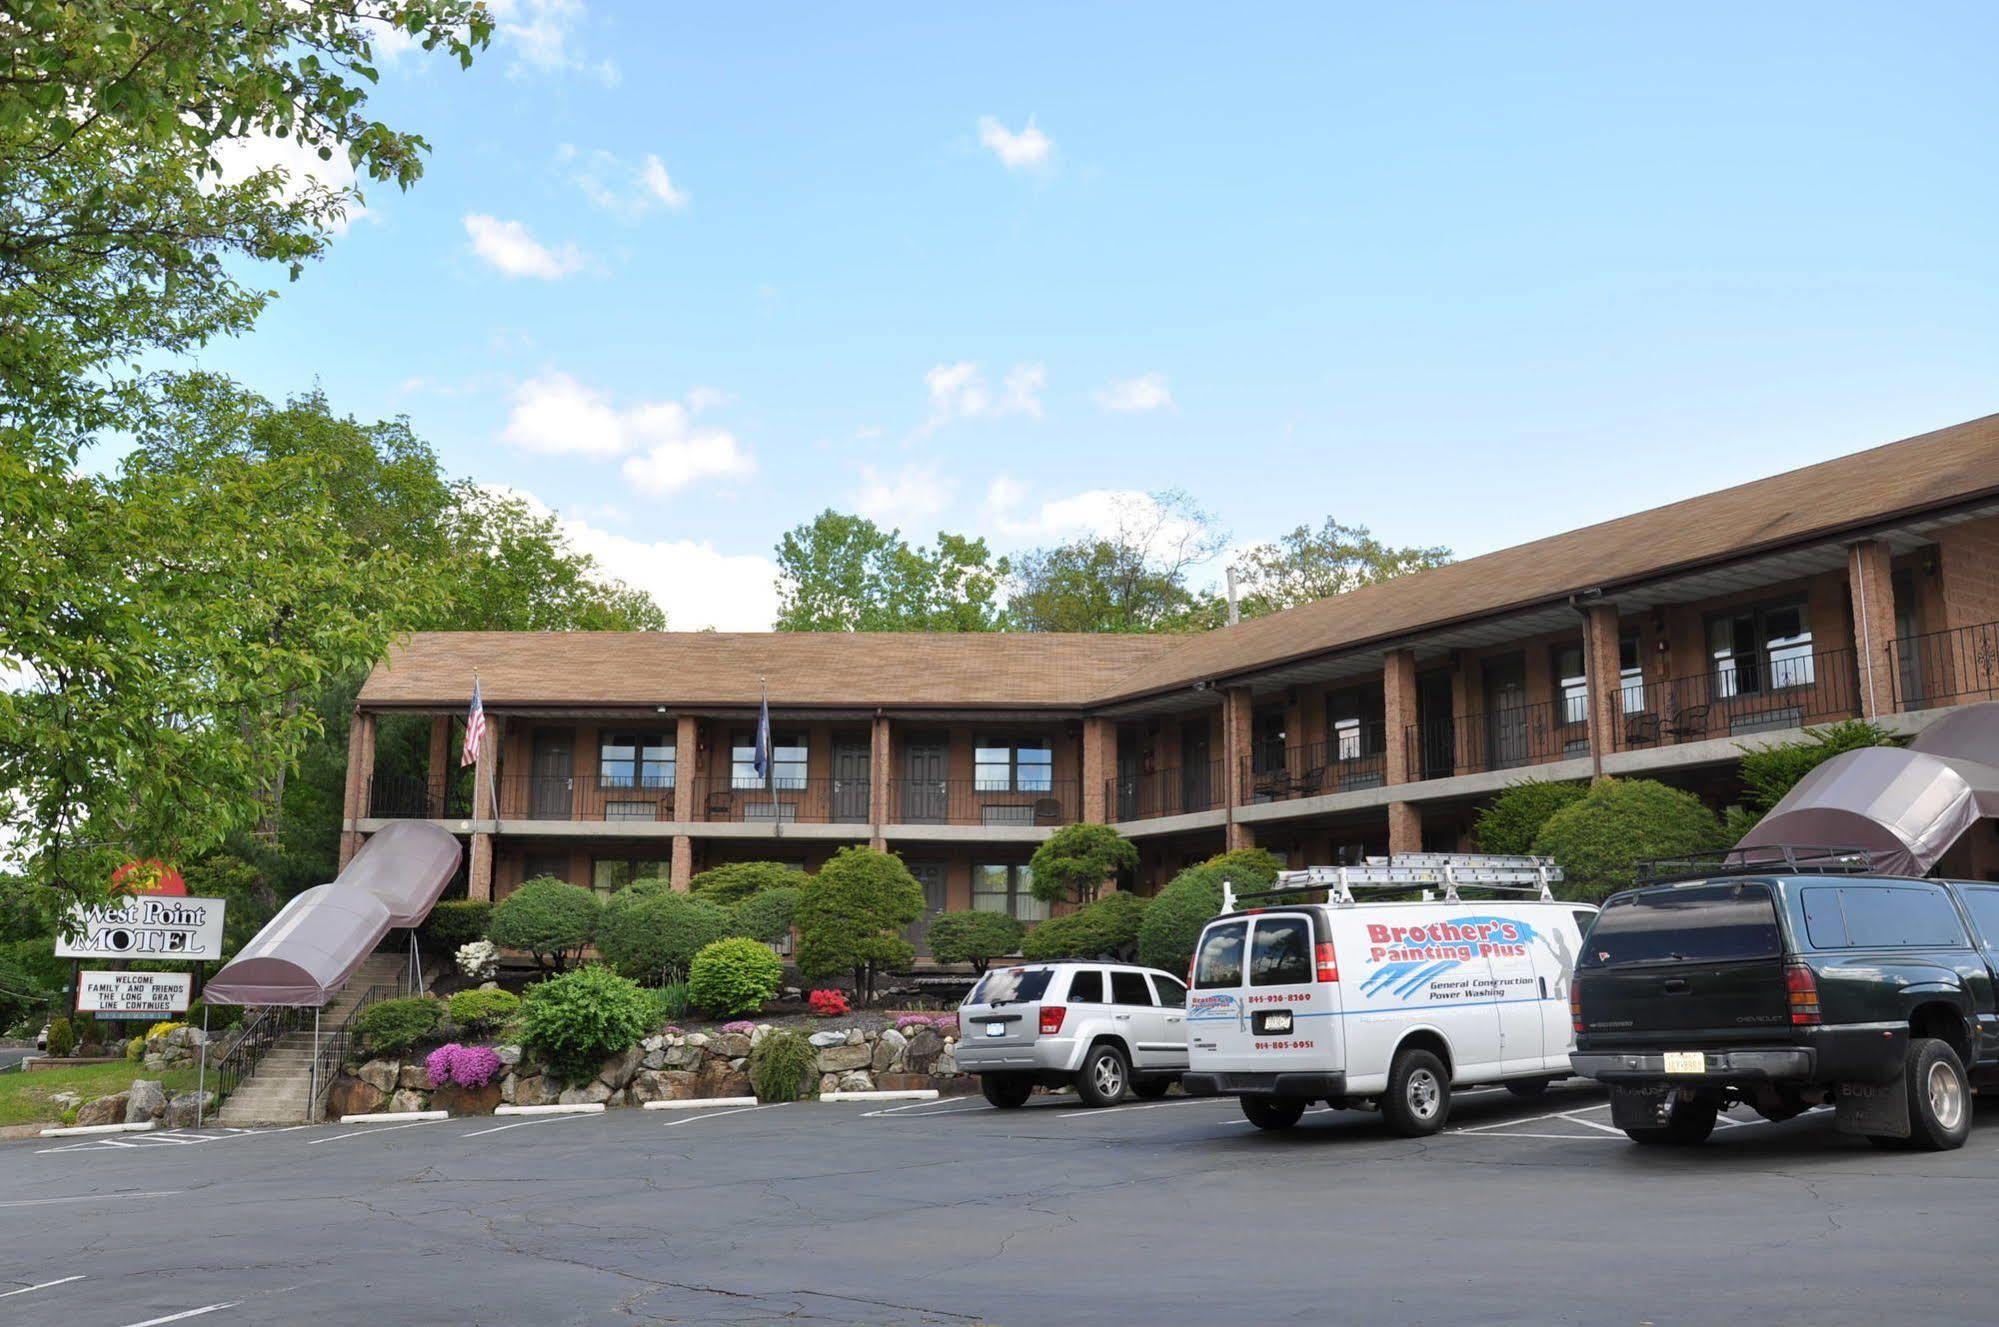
(1803,989)
(1575,1007)
(1329,963)
(1051,1019)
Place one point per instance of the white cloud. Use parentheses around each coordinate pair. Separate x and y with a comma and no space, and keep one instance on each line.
(1030,149)
(512,248)
(555,414)
(626,191)
(542,36)
(706,398)
(1097,511)
(910,496)
(960,391)
(240,158)
(1132,395)
(697,584)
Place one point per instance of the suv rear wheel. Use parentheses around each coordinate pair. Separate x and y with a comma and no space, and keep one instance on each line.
(1687,1123)
(1272,1113)
(1939,1096)
(1006,1091)
(1104,1077)
(1418,1099)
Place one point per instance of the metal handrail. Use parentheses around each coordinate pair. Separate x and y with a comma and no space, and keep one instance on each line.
(331,1051)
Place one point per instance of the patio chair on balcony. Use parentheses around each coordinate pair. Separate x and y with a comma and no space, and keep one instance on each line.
(1640,730)
(1688,724)
(721,805)
(1048,811)
(1310,783)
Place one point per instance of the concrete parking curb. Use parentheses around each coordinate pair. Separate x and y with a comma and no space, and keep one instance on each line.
(574,1108)
(910,1094)
(76,1130)
(705,1103)
(397,1117)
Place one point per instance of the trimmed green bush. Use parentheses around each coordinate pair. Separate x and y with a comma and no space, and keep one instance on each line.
(784,1067)
(1077,861)
(454,922)
(1107,928)
(1599,840)
(1174,918)
(735,881)
(851,915)
(1770,772)
(652,935)
(767,915)
(550,919)
(670,1005)
(135,1049)
(483,1011)
(733,976)
(973,937)
(62,1038)
(390,1027)
(1510,821)
(577,1019)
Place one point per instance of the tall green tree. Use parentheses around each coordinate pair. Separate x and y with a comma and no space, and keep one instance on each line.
(840,572)
(1133,576)
(1309,564)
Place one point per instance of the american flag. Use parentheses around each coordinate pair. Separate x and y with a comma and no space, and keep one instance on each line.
(475,729)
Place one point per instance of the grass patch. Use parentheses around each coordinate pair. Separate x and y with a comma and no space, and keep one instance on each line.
(24,1097)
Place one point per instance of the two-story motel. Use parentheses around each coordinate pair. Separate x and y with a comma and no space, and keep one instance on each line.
(1654,645)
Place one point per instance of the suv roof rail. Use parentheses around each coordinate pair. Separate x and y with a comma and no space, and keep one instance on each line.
(1412,871)
(1764,859)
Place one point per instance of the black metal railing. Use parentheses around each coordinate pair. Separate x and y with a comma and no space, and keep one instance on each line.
(1739,698)
(1350,761)
(1945,667)
(1166,792)
(331,1054)
(785,801)
(403,797)
(1496,739)
(980,802)
(584,797)
(262,1029)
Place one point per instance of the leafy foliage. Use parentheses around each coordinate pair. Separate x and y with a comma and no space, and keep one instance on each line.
(390,1027)
(974,937)
(649,933)
(1510,821)
(550,919)
(1770,772)
(454,922)
(733,976)
(578,1018)
(1133,578)
(62,1038)
(669,1004)
(1076,861)
(1309,564)
(1107,928)
(1174,918)
(850,917)
(483,1011)
(733,882)
(1599,839)
(766,915)
(784,1067)
(845,573)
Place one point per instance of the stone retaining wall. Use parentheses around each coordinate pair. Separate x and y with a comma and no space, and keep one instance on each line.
(669,1066)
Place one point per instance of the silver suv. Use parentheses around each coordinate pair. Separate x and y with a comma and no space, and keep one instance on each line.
(1102,1028)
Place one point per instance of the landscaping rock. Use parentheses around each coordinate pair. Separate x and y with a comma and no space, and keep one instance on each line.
(594,1091)
(946,1064)
(380,1075)
(855,1037)
(466,1100)
(617,1070)
(64,1099)
(696,1039)
(730,1046)
(535,1090)
(104,1110)
(186,1109)
(717,1079)
(903,1082)
(145,1100)
(824,1039)
(350,1096)
(922,1052)
(829,1083)
(839,1059)
(888,1051)
(683,1057)
(509,1055)
(408,1099)
(414,1077)
(856,1082)
(762,1030)
(664,1085)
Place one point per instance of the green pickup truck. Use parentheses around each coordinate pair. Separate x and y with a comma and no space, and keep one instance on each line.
(1785,984)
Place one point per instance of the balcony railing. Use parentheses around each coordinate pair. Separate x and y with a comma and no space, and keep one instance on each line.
(1731,700)
(1946,667)
(976,802)
(399,797)
(583,797)
(1355,760)
(1167,792)
(787,801)
(1497,739)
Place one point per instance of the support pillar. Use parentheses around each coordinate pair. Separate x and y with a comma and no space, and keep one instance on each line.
(881,785)
(479,874)
(438,771)
(1405,828)
(686,768)
(1603,676)
(1099,761)
(681,872)
(1398,694)
(1872,587)
(355,796)
(1237,728)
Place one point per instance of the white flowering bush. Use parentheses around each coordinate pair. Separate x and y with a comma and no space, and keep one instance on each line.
(480,960)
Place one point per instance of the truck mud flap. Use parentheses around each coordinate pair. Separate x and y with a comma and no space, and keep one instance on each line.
(1877,1109)
(1640,1106)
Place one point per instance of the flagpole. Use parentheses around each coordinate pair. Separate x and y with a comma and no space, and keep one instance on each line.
(479,753)
(770,759)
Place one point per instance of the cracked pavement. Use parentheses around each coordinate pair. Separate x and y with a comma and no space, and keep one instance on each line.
(1528,1212)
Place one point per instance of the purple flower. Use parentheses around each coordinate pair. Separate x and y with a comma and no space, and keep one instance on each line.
(437,1064)
(467,1066)
(742,1027)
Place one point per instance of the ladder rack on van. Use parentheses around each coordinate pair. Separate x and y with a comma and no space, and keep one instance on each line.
(1403,872)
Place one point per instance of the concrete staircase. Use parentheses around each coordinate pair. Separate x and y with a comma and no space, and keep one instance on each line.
(277,1091)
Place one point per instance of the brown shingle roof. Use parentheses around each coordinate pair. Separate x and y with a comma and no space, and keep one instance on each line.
(1933,470)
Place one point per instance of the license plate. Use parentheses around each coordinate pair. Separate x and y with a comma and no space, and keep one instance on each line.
(995,1029)
(1686,1062)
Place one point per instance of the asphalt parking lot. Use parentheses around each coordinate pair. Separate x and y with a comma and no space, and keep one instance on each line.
(951,1212)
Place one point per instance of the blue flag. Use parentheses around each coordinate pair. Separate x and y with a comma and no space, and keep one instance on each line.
(761,760)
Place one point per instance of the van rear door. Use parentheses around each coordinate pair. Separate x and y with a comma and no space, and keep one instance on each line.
(1705,959)
(1258,1004)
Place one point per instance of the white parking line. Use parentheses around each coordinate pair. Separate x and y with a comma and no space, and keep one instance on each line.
(9,1294)
(522,1124)
(712,1115)
(90,1198)
(1571,1116)
(369,1133)
(1557,1137)
(1087,1114)
(951,1110)
(186,1313)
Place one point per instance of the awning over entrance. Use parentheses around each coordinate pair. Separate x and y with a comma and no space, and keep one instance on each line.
(406,865)
(1905,806)
(307,952)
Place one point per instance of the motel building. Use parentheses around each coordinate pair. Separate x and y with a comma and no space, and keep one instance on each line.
(1654,645)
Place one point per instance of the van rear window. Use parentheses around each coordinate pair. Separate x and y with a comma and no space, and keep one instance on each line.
(1219,960)
(1695,924)
(1012,985)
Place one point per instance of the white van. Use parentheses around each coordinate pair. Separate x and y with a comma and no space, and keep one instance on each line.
(1385,1005)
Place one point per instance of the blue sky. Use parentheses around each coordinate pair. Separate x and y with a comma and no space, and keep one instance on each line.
(1468,274)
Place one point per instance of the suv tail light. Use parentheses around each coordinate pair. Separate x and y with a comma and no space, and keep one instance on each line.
(1803,989)
(1051,1019)
(1329,963)
(1575,1007)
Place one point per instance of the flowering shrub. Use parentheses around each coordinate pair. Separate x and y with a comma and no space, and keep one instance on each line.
(479,960)
(828,1003)
(742,1027)
(467,1066)
(161,1029)
(944,1025)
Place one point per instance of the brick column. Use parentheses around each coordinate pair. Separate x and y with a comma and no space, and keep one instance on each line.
(438,770)
(1600,664)
(354,802)
(881,784)
(1237,730)
(1099,761)
(485,780)
(1872,588)
(1398,690)
(681,873)
(686,768)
